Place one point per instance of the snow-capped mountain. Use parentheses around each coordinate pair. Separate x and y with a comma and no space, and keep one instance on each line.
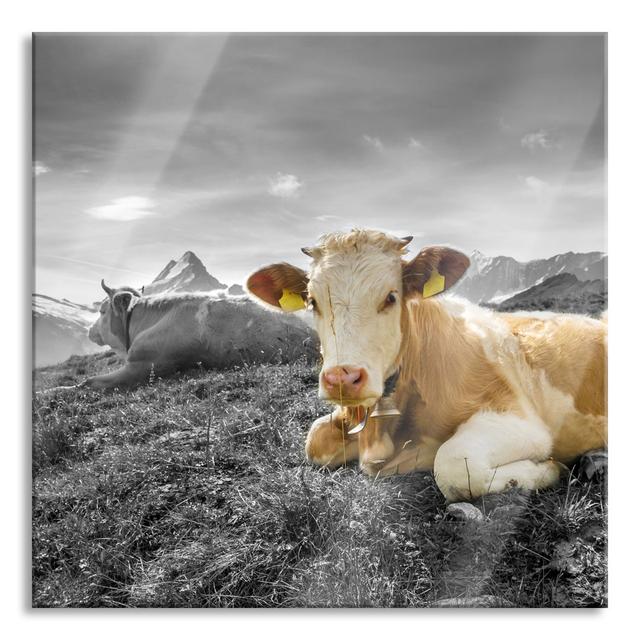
(496,279)
(187,274)
(79,313)
(60,329)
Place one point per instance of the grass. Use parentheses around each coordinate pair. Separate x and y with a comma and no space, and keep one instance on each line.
(193,491)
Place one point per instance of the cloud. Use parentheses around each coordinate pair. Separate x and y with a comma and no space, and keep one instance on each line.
(285,185)
(415,144)
(536,185)
(540,139)
(98,264)
(376,143)
(504,126)
(39,168)
(124,209)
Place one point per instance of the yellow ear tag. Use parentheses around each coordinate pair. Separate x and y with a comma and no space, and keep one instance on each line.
(435,284)
(291,301)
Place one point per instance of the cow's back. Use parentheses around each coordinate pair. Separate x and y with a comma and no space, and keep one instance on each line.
(240,331)
(571,349)
(569,353)
(181,330)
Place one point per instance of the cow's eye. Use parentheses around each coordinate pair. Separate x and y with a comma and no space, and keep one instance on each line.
(390,299)
(313,305)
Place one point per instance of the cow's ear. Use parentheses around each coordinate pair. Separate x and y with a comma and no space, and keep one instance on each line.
(121,302)
(281,285)
(433,271)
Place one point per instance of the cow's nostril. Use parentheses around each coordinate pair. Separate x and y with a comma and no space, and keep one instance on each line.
(347,378)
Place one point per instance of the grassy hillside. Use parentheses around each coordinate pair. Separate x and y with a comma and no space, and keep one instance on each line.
(562,293)
(193,492)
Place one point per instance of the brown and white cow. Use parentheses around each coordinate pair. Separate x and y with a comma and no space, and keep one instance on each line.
(487,400)
(174,331)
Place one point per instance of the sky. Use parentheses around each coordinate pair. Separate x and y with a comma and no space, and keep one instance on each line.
(243,148)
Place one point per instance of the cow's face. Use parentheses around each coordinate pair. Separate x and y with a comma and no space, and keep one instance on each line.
(357,287)
(109,328)
(356,298)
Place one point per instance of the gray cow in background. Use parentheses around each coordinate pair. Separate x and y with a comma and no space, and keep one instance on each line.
(168,332)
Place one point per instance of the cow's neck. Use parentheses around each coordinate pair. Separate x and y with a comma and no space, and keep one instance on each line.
(140,317)
(127,327)
(442,365)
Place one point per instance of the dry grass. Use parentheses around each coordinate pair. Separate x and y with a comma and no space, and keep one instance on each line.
(193,492)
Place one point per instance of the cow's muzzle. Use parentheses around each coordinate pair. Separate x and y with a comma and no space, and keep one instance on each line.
(95,336)
(346,385)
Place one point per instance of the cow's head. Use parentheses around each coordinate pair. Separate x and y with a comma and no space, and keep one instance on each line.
(358,286)
(110,327)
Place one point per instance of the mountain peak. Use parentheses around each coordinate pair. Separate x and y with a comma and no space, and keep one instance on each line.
(189,256)
(186,274)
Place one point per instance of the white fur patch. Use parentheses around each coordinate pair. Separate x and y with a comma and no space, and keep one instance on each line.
(468,464)
(496,339)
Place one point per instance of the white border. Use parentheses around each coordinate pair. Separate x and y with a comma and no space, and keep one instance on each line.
(329,15)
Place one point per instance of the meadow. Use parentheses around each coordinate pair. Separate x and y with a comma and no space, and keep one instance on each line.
(193,491)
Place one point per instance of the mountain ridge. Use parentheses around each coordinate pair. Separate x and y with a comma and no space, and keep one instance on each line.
(494,279)
(563,292)
(60,329)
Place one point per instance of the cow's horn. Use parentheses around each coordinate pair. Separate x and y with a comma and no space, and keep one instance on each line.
(308,251)
(405,241)
(107,289)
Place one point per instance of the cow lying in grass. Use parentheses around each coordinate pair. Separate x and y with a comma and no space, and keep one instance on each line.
(488,401)
(171,332)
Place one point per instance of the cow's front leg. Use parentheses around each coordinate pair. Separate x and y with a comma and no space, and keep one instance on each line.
(386,449)
(129,375)
(493,452)
(412,457)
(329,444)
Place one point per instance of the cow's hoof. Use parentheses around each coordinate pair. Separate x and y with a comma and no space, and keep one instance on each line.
(592,464)
(372,469)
